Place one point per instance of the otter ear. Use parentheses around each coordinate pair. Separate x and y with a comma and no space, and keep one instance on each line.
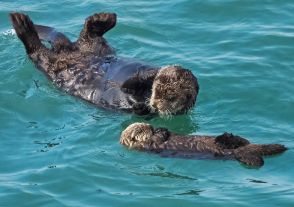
(99,24)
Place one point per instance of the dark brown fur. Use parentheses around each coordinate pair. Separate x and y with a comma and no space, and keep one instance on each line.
(88,68)
(144,137)
(174,89)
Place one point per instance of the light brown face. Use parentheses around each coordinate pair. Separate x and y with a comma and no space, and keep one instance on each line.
(135,135)
(174,91)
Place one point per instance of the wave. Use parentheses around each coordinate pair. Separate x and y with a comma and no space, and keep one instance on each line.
(8,32)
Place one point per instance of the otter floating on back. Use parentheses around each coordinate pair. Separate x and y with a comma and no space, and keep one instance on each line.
(144,137)
(89,69)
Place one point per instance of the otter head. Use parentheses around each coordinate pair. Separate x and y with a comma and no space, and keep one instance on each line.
(135,135)
(174,91)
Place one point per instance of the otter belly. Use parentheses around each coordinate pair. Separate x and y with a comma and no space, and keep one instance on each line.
(120,70)
(100,83)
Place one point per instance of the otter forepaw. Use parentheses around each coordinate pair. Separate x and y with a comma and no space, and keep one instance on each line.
(141,108)
(163,133)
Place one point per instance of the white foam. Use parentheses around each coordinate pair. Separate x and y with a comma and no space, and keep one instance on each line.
(8,32)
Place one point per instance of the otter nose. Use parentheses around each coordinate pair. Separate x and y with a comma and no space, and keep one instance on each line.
(153,105)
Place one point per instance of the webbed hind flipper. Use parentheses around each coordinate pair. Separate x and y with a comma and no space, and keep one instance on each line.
(26,32)
(252,154)
(248,158)
(98,24)
(56,39)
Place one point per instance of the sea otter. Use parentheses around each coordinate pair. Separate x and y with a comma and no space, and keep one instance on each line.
(144,137)
(89,69)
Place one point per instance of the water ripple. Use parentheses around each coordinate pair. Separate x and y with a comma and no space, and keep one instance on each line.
(57,150)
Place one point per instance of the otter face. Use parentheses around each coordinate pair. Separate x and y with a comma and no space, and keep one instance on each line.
(174,91)
(135,135)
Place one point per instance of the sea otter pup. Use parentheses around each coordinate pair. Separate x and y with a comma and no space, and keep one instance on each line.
(141,136)
(89,69)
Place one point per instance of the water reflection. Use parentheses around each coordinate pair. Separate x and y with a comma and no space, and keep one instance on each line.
(181,124)
(158,171)
(195,192)
(49,144)
(256,181)
(166,175)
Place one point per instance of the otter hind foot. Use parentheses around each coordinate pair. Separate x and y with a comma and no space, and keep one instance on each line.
(250,159)
(270,149)
(252,153)
(98,24)
(26,32)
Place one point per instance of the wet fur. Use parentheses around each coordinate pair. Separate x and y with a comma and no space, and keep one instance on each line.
(80,68)
(174,90)
(141,136)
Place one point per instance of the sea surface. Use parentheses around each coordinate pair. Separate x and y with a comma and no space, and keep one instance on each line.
(57,150)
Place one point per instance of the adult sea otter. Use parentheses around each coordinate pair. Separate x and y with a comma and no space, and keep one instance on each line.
(88,68)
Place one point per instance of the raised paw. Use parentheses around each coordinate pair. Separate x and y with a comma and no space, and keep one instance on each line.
(98,24)
(230,141)
(22,24)
(25,30)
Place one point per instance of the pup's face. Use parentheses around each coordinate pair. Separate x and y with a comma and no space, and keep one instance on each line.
(174,91)
(135,135)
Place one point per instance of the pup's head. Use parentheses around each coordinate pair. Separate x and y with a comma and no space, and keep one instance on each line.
(174,91)
(135,135)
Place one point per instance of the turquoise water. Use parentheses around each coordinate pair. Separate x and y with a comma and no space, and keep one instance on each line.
(57,150)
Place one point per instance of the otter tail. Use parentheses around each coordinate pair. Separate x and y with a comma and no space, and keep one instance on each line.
(26,32)
(251,154)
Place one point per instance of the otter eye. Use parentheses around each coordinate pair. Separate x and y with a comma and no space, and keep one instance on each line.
(172,98)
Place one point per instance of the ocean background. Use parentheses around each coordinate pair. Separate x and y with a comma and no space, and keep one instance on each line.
(57,150)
